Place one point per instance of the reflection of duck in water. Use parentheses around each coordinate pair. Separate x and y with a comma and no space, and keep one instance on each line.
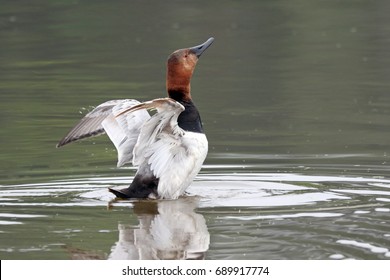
(168,229)
(169,147)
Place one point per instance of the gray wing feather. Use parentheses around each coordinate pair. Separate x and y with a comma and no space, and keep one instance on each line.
(90,125)
(123,131)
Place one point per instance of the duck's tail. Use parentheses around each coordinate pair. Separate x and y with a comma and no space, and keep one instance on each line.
(123,194)
(130,192)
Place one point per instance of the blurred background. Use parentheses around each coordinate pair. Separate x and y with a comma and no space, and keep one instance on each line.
(295,100)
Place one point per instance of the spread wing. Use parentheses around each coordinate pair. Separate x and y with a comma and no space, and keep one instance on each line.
(162,125)
(90,125)
(123,131)
(171,155)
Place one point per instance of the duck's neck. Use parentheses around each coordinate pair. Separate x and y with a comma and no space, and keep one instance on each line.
(179,83)
(180,94)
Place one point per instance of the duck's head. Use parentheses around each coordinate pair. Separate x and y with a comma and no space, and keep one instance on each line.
(180,66)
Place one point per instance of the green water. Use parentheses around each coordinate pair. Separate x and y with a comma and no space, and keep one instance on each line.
(294,96)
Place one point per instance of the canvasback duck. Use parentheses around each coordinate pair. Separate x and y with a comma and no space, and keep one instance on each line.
(168,147)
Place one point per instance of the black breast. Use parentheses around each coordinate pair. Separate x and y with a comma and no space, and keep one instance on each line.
(189,119)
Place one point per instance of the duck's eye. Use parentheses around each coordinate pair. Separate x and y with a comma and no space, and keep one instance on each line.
(186,55)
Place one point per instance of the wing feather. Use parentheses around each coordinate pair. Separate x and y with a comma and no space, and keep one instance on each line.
(123,131)
(91,124)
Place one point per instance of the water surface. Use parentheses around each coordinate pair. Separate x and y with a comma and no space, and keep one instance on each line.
(295,103)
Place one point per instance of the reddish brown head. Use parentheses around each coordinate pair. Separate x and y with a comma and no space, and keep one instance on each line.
(180,66)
